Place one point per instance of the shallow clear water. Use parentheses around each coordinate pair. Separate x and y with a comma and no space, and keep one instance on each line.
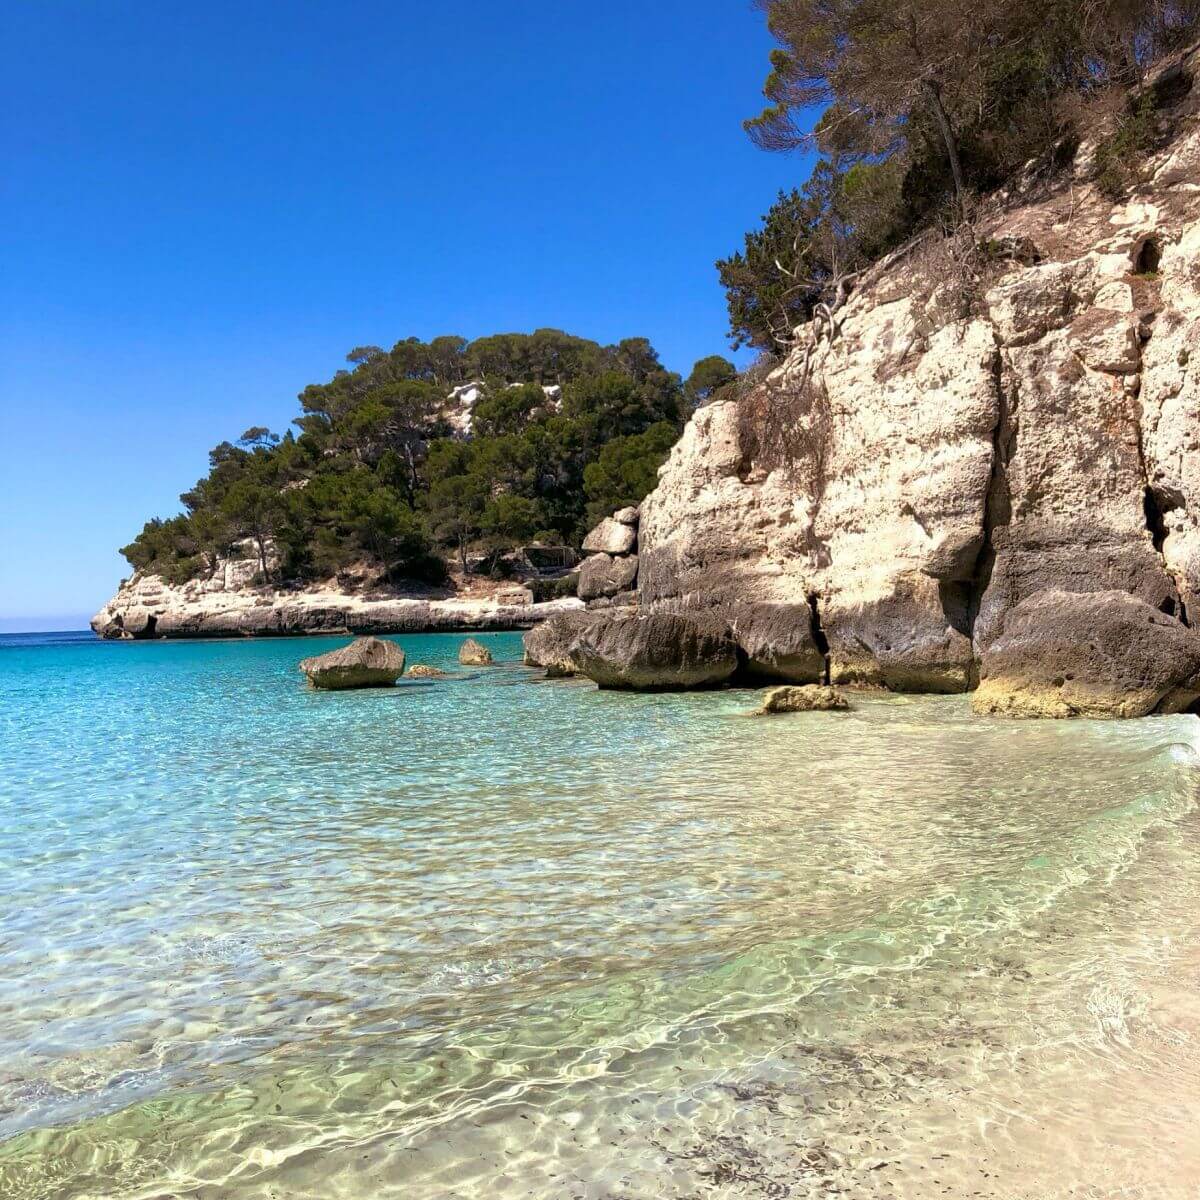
(499,936)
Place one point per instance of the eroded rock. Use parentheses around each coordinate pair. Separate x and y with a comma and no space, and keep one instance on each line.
(611,537)
(938,463)
(1099,654)
(810,698)
(474,654)
(366,662)
(656,652)
(548,645)
(602,575)
(422,671)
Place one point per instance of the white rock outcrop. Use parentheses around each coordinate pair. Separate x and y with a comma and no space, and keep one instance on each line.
(228,605)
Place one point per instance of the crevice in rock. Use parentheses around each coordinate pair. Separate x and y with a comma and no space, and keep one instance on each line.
(1157,502)
(151,626)
(997,505)
(1155,517)
(819,638)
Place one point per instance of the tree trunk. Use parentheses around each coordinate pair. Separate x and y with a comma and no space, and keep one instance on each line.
(412,473)
(939,111)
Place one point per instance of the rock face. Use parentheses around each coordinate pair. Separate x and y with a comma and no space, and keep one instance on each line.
(811,698)
(659,652)
(890,495)
(474,654)
(602,575)
(548,645)
(230,605)
(1095,654)
(366,662)
(610,537)
(421,671)
(609,576)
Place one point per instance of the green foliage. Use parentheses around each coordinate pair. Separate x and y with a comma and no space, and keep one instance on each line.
(809,240)
(627,469)
(1118,156)
(166,547)
(925,105)
(382,473)
(708,378)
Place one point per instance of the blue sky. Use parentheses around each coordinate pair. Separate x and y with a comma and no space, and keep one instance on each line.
(203,207)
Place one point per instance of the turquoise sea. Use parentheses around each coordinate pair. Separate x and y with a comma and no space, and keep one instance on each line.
(497,936)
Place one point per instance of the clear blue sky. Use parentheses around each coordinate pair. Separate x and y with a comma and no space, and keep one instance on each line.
(204,206)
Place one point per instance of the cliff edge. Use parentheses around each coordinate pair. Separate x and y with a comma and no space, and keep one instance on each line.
(977,426)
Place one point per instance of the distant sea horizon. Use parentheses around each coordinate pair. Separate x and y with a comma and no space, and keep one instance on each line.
(71,623)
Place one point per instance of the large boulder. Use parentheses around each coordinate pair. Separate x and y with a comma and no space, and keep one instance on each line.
(779,641)
(548,645)
(603,575)
(366,662)
(1095,654)
(610,537)
(474,654)
(655,652)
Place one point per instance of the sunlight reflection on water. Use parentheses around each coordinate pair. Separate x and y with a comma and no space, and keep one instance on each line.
(500,936)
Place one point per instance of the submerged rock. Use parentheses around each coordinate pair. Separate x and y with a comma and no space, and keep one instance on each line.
(654,652)
(421,671)
(810,698)
(1099,654)
(474,654)
(366,662)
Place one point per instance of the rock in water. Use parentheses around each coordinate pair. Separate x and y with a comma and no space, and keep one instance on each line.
(811,698)
(474,654)
(366,662)
(1095,654)
(656,652)
(548,645)
(421,671)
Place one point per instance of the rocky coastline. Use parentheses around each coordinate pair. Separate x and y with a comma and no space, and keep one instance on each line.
(146,607)
(982,476)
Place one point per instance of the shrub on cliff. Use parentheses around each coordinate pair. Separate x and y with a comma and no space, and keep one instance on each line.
(919,106)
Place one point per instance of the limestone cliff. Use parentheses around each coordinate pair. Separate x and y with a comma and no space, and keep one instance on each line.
(962,440)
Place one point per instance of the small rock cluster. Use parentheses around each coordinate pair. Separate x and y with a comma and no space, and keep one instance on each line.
(369,662)
(608,576)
